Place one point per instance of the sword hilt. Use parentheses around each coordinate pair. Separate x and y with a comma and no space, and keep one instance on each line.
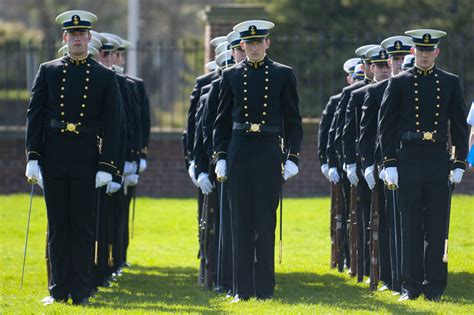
(445,255)
(96,253)
(110,261)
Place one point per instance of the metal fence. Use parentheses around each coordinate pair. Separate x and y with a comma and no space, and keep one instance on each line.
(169,70)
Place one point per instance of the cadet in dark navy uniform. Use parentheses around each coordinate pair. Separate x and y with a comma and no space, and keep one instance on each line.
(327,116)
(416,108)
(73,101)
(109,215)
(201,81)
(209,117)
(334,152)
(397,47)
(379,67)
(258,101)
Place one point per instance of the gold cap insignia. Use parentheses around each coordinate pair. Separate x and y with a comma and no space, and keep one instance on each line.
(382,54)
(426,38)
(76,19)
(398,45)
(253,30)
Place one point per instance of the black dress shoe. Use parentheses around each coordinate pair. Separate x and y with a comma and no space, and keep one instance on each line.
(82,302)
(111,278)
(238,298)
(433,298)
(105,284)
(264,297)
(407,296)
(94,290)
(50,300)
(125,265)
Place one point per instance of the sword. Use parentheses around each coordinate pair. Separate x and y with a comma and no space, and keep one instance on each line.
(281,224)
(394,188)
(110,260)
(32,182)
(450,194)
(219,244)
(133,209)
(96,247)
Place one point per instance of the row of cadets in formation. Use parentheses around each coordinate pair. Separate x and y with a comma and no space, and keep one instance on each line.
(83,106)
(391,127)
(253,123)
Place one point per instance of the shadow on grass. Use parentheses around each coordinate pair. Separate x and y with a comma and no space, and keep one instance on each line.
(460,288)
(165,289)
(174,289)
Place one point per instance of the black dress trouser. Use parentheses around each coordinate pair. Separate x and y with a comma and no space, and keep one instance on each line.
(423,196)
(254,183)
(70,194)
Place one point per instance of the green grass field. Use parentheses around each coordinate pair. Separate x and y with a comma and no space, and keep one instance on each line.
(164,266)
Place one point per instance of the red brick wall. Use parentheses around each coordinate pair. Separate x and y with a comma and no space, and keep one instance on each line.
(166,175)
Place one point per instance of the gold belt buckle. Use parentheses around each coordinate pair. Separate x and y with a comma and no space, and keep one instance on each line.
(427,136)
(71,127)
(255,127)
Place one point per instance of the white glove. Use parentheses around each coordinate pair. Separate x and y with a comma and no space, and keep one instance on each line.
(382,174)
(290,170)
(134,167)
(102,179)
(112,187)
(333,175)
(391,175)
(32,171)
(351,171)
(456,175)
(325,170)
(131,180)
(127,169)
(344,167)
(369,176)
(204,183)
(221,167)
(191,172)
(142,165)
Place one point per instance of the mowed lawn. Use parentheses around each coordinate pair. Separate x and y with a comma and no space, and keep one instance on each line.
(164,266)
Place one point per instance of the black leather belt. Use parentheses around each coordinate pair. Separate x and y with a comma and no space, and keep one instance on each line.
(248,127)
(424,135)
(71,127)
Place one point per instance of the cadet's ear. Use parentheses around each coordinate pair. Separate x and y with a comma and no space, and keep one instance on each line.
(89,36)
(412,50)
(437,51)
(242,45)
(372,67)
(64,37)
(267,42)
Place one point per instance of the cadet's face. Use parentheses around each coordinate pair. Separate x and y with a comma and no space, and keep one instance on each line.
(77,43)
(349,79)
(367,70)
(255,51)
(381,71)
(395,63)
(238,54)
(119,59)
(425,59)
(105,58)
